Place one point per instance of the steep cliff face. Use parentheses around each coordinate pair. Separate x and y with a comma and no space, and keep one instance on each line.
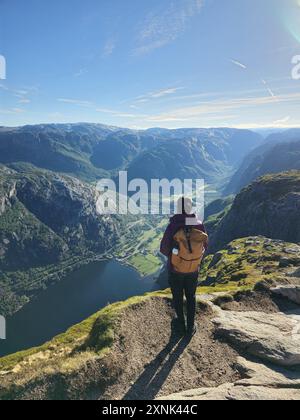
(45,220)
(270,207)
(58,207)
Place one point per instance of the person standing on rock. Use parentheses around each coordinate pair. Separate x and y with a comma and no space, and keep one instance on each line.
(184,243)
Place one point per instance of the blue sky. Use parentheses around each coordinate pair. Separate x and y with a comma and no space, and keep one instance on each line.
(150,63)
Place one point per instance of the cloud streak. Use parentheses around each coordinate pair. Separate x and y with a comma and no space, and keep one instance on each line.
(157,94)
(213,108)
(109,47)
(120,114)
(77,102)
(282,121)
(239,64)
(163,27)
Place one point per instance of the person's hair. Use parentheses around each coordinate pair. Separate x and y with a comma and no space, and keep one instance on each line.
(184,205)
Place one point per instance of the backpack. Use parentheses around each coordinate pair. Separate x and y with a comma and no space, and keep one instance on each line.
(188,253)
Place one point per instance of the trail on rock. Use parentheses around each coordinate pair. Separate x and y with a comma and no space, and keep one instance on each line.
(156,362)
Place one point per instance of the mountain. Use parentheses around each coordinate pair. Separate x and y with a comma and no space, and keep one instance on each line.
(47,223)
(247,345)
(93,151)
(61,148)
(270,206)
(193,153)
(280,152)
(215,212)
(224,144)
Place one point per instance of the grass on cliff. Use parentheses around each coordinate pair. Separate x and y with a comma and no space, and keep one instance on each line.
(241,264)
(95,334)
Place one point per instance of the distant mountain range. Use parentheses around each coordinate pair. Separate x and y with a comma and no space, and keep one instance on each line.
(279,152)
(90,151)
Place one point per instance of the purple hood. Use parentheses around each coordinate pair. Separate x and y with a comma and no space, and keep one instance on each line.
(176,223)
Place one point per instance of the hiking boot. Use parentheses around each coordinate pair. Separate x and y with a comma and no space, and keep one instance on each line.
(191,331)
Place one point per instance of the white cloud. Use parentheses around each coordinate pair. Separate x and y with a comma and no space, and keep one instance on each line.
(119,114)
(21,92)
(80,73)
(162,27)
(157,94)
(11,111)
(24,101)
(282,121)
(239,64)
(109,47)
(269,90)
(77,102)
(213,108)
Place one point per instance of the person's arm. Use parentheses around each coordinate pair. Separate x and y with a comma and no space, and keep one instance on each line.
(167,242)
(203,229)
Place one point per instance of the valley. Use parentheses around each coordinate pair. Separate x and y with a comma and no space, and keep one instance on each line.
(149,202)
(57,252)
(77,296)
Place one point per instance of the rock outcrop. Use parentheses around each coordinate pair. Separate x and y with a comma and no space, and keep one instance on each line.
(290,292)
(270,337)
(269,207)
(261,383)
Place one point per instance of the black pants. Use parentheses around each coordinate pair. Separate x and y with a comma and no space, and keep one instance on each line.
(184,284)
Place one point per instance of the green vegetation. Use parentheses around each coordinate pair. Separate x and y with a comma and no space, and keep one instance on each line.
(94,335)
(244,262)
(139,247)
(216,211)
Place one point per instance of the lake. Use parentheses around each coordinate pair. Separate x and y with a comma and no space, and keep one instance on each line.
(69,302)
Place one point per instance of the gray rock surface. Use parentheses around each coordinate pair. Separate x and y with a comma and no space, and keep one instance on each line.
(290,292)
(271,337)
(237,393)
(262,383)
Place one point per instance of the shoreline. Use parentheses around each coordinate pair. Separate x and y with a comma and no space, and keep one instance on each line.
(151,280)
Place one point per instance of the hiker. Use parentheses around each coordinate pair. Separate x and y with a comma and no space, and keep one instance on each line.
(184,243)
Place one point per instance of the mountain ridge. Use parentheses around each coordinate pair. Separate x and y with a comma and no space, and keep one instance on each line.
(278,153)
(93,151)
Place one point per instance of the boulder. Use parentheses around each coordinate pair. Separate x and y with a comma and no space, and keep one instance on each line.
(270,337)
(290,292)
